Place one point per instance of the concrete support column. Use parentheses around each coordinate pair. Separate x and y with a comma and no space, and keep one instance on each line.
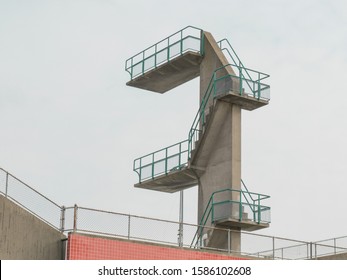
(223,171)
(221,154)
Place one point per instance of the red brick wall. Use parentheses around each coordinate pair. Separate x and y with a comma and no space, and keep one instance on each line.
(87,247)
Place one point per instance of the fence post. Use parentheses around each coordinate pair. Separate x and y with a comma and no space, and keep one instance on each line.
(6,184)
(75,217)
(334,246)
(311,251)
(62,219)
(129,226)
(259,208)
(180,226)
(229,245)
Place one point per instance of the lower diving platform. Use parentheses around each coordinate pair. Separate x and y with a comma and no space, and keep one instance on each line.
(174,181)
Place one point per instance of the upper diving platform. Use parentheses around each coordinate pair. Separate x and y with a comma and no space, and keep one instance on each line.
(168,63)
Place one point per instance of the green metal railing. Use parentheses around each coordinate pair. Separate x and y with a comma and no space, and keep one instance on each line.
(220,84)
(171,158)
(255,76)
(219,208)
(189,38)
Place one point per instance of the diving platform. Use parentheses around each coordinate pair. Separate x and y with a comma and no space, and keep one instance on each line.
(174,181)
(167,76)
(246,225)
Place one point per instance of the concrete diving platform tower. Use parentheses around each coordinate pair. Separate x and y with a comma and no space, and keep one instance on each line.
(210,157)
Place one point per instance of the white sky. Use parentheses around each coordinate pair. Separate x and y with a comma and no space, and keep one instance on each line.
(71,128)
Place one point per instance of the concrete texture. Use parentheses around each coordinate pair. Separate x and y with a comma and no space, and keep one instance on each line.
(341,256)
(24,236)
(222,146)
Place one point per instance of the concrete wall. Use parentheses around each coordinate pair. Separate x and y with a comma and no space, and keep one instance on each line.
(24,236)
(342,256)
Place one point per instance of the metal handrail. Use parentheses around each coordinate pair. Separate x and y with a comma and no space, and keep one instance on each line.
(156,48)
(199,120)
(182,160)
(209,210)
(202,223)
(238,61)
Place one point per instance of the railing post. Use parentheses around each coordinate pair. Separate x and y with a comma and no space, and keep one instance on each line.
(179,156)
(166,161)
(143,62)
(240,76)
(229,242)
(258,90)
(214,88)
(200,235)
(132,63)
(155,56)
(273,248)
(240,206)
(259,214)
(6,185)
(168,49)
(75,217)
(129,217)
(212,209)
(62,219)
(181,43)
(140,170)
(335,246)
(180,227)
(153,166)
(189,143)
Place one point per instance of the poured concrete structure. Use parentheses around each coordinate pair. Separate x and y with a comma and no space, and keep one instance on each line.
(26,237)
(214,162)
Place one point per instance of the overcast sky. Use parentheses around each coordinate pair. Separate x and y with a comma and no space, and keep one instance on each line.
(71,128)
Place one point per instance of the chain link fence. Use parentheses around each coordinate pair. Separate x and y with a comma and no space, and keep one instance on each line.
(31,200)
(112,224)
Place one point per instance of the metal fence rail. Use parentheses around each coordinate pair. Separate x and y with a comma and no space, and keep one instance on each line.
(31,200)
(163,161)
(188,39)
(113,224)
